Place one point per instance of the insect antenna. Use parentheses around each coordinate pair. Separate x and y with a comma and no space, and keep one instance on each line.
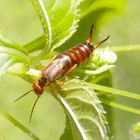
(99,43)
(31,114)
(90,34)
(23,95)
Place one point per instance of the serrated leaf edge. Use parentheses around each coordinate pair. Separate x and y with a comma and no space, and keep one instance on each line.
(73,28)
(64,103)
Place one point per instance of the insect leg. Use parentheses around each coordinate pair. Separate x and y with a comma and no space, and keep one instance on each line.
(52,91)
(60,83)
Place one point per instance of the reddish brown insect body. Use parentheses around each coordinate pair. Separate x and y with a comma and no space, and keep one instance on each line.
(63,64)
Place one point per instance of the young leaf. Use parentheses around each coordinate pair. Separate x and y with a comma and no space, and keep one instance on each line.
(44,18)
(59,20)
(84,110)
(100,61)
(10,53)
(11,44)
(12,49)
(63,26)
(15,54)
(5,63)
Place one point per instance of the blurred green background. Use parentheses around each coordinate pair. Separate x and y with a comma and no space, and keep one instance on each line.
(20,23)
(124,30)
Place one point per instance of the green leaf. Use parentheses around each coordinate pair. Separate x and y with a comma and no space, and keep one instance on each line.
(23,70)
(63,26)
(12,50)
(99,15)
(84,111)
(98,71)
(59,20)
(44,18)
(100,61)
(10,53)
(15,54)
(135,131)
(89,6)
(137,127)
(67,135)
(11,44)
(5,63)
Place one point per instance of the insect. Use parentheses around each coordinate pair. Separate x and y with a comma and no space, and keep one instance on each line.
(63,64)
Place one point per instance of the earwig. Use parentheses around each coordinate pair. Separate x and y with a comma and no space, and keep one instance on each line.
(63,64)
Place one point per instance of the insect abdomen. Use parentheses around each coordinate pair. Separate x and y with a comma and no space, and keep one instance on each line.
(80,53)
(67,61)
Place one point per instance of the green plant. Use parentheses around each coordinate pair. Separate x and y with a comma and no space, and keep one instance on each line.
(81,98)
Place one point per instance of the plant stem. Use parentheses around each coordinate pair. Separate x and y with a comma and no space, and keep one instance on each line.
(116,91)
(126,48)
(121,107)
(18,124)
